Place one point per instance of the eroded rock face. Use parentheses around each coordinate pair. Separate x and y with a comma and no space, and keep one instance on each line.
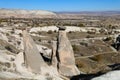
(65,56)
(33,59)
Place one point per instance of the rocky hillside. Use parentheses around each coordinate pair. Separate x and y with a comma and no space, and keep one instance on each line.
(93,57)
(6,13)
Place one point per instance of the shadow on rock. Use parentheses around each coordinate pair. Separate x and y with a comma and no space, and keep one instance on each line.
(86,76)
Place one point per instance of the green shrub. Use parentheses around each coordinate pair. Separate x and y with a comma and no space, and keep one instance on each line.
(75,47)
(8,65)
(81,25)
(84,44)
(108,39)
(49,32)
(20,34)
(7,34)
(96,58)
(89,36)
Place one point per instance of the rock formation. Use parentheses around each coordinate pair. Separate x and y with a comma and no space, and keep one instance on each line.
(65,55)
(53,56)
(33,59)
(62,55)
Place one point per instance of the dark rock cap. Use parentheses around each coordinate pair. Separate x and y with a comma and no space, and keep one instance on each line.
(62,28)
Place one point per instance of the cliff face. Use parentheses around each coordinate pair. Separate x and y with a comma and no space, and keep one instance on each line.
(6,13)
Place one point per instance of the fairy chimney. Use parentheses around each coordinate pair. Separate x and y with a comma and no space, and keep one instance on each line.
(33,59)
(65,55)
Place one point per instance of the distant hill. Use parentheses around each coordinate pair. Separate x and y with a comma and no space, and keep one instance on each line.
(80,15)
(104,13)
(18,13)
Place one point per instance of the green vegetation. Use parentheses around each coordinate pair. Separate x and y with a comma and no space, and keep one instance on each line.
(75,48)
(81,25)
(96,58)
(49,32)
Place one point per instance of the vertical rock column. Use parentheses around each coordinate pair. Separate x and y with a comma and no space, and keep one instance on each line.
(65,55)
(33,59)
(53,56)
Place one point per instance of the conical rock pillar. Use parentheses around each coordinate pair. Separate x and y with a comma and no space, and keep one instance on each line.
(33,59)
(65,55)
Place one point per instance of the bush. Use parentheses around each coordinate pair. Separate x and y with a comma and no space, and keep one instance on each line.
(70,32)
(89,36)
(8,65)
(75,47)
(18,42)
(49,32)
(96,58)
(108,39)
(81,25)
(20,34)
(39,40)
(84,44)
(49,41)
(91,32)
(7,34)
(55,31)
(39,33)
(13,31)
(8,48)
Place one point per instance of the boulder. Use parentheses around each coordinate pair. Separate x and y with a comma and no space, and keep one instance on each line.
(33,59)
(65,56)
